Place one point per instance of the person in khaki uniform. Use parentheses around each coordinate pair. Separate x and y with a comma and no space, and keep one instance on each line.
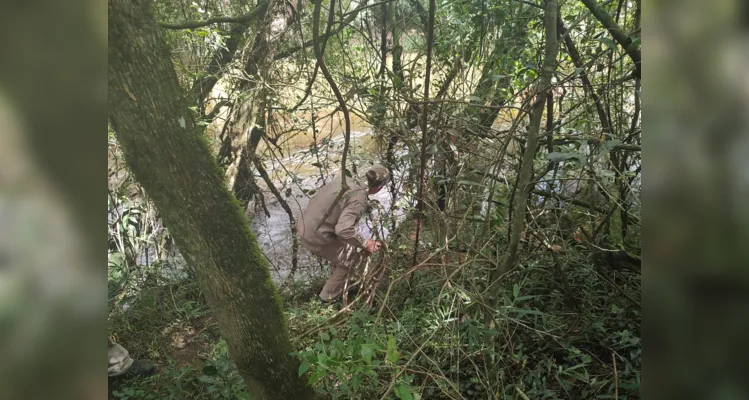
(338,239)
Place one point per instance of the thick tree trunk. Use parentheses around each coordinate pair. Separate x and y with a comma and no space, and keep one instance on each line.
(172,161)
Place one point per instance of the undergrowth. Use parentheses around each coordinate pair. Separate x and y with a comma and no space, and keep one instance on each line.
(549,341)
(435,345)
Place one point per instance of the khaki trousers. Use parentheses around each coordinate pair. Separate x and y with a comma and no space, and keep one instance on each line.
(344,257)
(119,359)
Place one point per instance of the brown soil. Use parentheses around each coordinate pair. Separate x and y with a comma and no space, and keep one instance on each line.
(189,342)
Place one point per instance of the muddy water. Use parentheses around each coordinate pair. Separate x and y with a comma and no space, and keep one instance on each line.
(295,178)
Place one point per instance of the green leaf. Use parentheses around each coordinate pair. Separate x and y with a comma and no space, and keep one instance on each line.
(610,144)
(608,42)
(403,392)
(210,370)
(515,290)
(559,157)
(309,356)
(392,350)
(525,311)
(315,377)
(117,259)
(366,353)
(207,379)
(304,368)
(237,380)
(325,336)
(470,183)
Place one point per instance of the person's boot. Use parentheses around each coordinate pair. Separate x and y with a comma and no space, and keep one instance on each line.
(140,369)
(352,291)
(329,303)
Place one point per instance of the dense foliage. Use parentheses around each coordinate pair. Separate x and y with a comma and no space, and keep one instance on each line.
(563,321)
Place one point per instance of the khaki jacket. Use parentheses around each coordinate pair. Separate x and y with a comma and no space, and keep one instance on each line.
(341,224)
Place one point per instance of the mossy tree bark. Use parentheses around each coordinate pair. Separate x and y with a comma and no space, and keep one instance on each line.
(171,159)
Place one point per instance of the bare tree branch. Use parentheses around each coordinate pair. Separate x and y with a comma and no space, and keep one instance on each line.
(587,85)
(421,13)
(570,200)
(217,109)
(621,37)
(350,17)
(339,97)
(308,90)
(205,83)
(285,205)
(216,20)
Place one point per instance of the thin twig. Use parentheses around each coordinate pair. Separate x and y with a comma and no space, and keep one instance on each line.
(292,223)
(616,376)
(341,102)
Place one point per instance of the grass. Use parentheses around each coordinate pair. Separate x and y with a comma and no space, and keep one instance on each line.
(431,342)
(167,323)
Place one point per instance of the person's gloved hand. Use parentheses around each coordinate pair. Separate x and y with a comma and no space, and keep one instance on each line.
(373,246)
